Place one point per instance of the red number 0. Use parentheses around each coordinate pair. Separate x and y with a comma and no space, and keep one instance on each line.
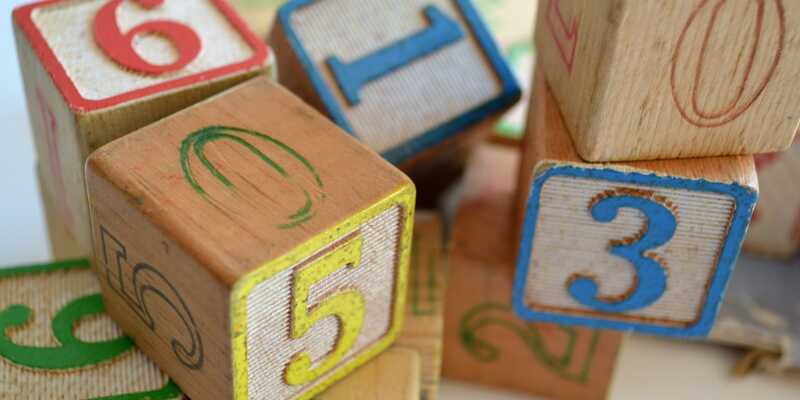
(119,46)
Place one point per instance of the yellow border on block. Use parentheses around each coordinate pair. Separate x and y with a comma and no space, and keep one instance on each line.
(405,197)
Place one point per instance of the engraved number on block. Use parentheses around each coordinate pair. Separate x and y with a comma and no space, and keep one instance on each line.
(348,306)
(138,285)
(651,277)
(750,86)
(352,76)
(565,35)
(195,143)
(119,46)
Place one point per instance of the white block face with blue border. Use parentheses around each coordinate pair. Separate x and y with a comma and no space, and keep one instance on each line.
(401,76)
(619,249)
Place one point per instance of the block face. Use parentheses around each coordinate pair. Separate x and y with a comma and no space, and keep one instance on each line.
(353,274)
(698,78)
(57,341)
(776,222)
(373,82)
(98,64)
(424,314)
(675,241)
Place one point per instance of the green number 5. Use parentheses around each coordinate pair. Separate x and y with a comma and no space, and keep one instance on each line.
(346,305)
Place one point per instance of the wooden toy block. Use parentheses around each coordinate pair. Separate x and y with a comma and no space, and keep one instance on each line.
(62,245)
(424,320)
(56,342)
(775,229)
(259,14)
(645,246)
(250,246)
(393,375)
(644,80)
(485,342)
(96,70)
(413,78)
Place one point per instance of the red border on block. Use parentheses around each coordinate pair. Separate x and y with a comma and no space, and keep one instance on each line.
(23,17)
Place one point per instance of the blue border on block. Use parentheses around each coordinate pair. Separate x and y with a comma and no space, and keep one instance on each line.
(744,197)
(510,90)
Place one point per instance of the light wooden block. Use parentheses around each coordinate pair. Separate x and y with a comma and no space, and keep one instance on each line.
(62,245)
(775,230)
(56,342)
(96,70)
(485,342)
(413,78)
(424,320)
(393,375)
(246,238)
(259,14)
(650,79)
(645,246)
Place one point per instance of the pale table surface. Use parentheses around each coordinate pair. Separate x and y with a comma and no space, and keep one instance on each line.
(649,368)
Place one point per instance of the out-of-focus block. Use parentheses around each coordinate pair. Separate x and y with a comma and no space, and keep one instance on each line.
(250,246)
(259,14)
(411,79)
(62,245)
(424,323)
(646,246)
(56,342)
(393,375)
(648,79)
(96,70)
(485,342)
(775,230)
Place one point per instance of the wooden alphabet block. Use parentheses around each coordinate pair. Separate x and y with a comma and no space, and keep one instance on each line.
(393,375)
(645,246)
(96,70)
(485,342)
(414,75)
(250,246)
(259,14)
(775,230)
(424,321)
(56,342)
(62,245)
(644,80)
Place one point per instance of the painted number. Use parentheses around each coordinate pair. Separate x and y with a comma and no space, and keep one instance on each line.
(142,284)
(196,142)
(758,49)
(352,76)
(71,352)
(564,34)
(651,277)
(346,305)
(120,46)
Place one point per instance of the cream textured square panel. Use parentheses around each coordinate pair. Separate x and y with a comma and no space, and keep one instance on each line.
(96,76)
(269,309)
(414,99)
(577,244)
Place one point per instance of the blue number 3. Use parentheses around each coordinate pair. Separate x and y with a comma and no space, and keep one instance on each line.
(650,281)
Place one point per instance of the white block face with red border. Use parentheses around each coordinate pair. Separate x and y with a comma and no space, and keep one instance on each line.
(95,70)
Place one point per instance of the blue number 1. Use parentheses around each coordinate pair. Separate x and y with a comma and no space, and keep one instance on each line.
(650,281)
(352,76)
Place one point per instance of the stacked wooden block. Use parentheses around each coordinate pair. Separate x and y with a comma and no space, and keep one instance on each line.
(638,184)
(248,243)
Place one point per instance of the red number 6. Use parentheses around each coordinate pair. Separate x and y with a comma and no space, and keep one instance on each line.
(119,46)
